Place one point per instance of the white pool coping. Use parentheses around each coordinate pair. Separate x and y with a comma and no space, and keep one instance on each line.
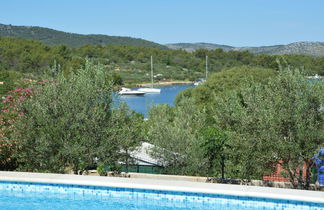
(170,185)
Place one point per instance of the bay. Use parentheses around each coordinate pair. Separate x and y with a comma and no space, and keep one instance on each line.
(141,104)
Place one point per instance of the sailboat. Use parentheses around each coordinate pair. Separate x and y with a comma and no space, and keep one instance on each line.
(202,80)
(150,89)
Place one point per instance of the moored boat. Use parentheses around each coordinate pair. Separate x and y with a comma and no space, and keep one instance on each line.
(128,91)
(202,80)
(149,90)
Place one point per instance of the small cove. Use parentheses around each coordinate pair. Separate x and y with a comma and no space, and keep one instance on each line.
(141,104)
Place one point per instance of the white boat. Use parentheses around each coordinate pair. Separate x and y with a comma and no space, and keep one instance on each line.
(199,81)
(317,76)
(150,89)
(127,91)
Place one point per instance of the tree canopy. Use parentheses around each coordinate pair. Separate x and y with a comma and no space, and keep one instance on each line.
(230,79)
(70,123)
(249,123)
(132,63)
(277,121)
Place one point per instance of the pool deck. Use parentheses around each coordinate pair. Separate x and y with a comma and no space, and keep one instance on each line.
(170,185)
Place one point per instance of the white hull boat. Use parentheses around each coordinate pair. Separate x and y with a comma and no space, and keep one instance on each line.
(130,92)
(198,83)
(150,90)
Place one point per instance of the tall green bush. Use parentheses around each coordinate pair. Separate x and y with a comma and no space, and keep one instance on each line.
(279,121)
(66,123)
(174,131)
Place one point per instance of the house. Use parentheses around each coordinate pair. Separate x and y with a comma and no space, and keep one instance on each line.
(143,161)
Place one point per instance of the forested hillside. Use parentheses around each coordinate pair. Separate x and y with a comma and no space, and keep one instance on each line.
(54,37)
(32,59)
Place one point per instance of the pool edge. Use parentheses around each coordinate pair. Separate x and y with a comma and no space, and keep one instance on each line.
(167,185)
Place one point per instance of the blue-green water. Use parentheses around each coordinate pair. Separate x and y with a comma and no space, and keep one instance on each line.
(141,104)
(23,195)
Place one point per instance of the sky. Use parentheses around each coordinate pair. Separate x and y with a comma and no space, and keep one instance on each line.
(230,22)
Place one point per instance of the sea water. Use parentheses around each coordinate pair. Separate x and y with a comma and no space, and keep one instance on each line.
(142,104)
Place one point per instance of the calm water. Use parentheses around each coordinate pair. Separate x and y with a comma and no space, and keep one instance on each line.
(16,195)
(141,104)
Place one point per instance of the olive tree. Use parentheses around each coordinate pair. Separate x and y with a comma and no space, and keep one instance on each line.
(279,121)
(214,143)
(126,133)
(174,131)
(66,122)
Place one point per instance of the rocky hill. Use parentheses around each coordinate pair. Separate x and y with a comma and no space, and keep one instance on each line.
(315,49)
(195,46)
(54,37)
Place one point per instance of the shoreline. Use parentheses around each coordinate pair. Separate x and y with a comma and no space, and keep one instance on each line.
(164,83)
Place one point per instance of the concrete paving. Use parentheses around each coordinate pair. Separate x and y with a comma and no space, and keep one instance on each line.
(172,185)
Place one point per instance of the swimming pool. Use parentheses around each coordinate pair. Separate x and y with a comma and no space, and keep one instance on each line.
(31,195)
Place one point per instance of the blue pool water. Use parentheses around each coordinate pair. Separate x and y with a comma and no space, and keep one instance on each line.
(23,195)
(141,104)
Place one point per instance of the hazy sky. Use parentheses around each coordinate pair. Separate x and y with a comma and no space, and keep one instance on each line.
(230,22)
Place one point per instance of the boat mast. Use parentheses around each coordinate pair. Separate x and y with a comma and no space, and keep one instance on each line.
(152,71)
(206,66)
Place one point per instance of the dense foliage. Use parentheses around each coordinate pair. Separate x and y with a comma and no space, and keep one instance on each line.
(9,115)
(32,59)
(70,123)
(175,133)
(10,81)
(231,79)
(243,131)
(277,121)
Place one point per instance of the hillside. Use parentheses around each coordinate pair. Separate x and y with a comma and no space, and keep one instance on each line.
(54,37)
(190,47)
(314,49)
(31,59)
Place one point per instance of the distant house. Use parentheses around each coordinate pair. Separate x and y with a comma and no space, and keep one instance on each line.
(143,161)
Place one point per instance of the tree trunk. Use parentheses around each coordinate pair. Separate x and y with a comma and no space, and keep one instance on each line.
(75,171)
(292,177)
(307,178)
(223,167)
(126,161)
